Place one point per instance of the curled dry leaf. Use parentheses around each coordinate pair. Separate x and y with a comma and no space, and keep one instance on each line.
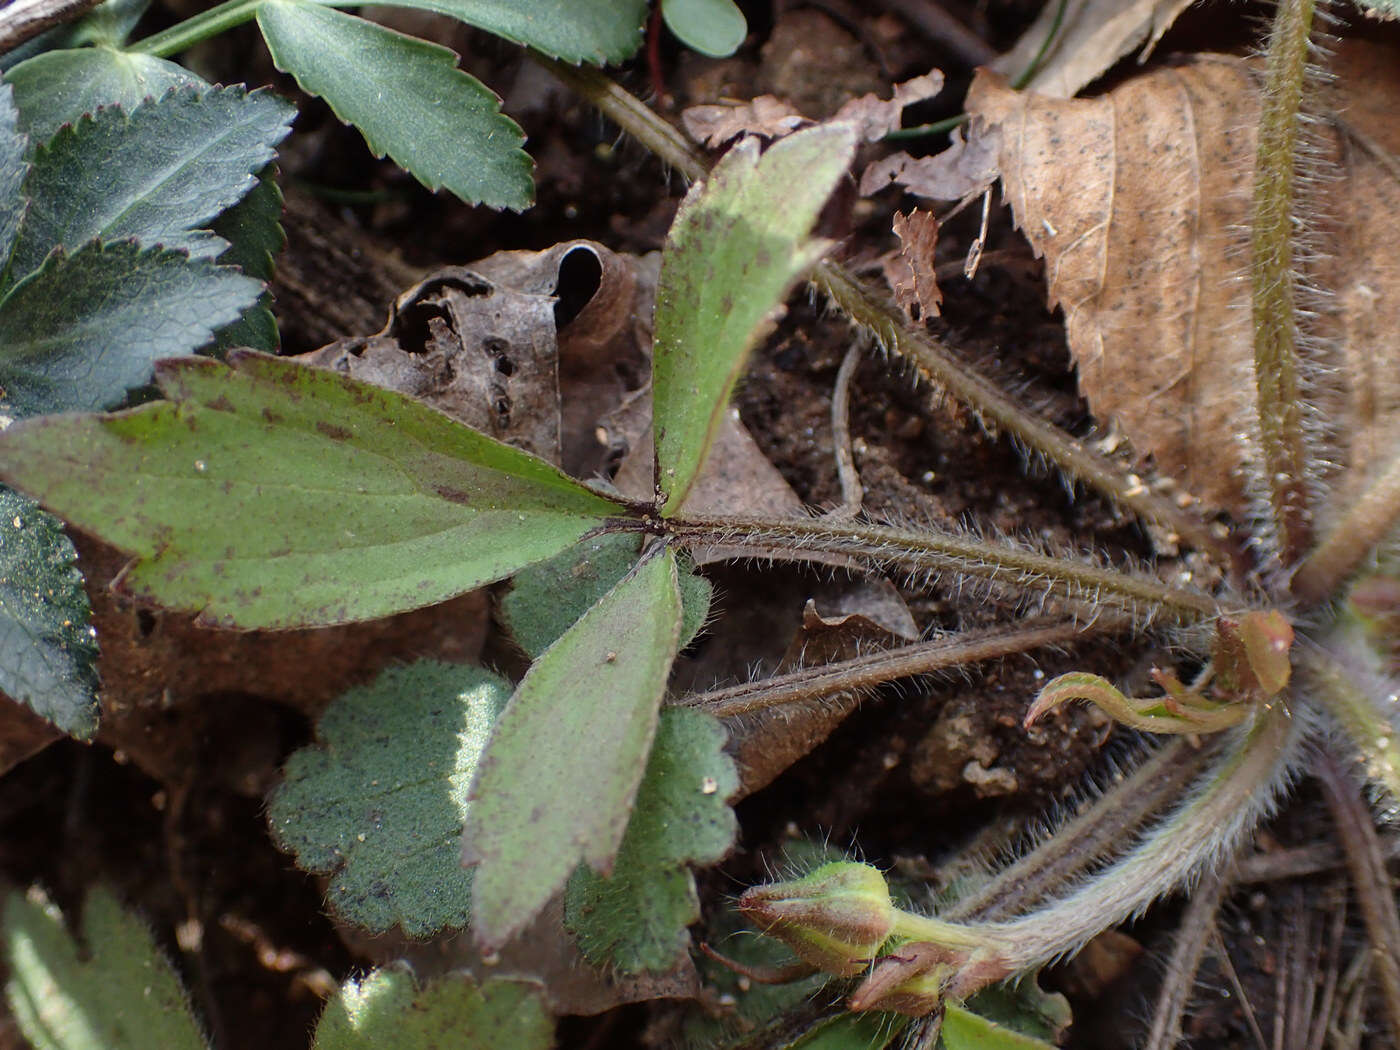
(1139,201)
(910,271)
(965,168)
(872,117)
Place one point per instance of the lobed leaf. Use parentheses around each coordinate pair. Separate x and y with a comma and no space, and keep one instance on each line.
(159,176)
(58,87)
(386,1008)
(269,494)
(379,801)
(253,230)
(637,918)
(737,246)
(48,653)
(115,992)
(407,97)
(712,27)
(562,767)
(82,329)
(13,169)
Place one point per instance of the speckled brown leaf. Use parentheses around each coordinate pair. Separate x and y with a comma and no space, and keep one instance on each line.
(910,270)
(1139,202)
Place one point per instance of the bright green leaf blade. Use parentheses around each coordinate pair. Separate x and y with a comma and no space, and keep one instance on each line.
(48,655)
(712,27)
(116,993)
(737,246)
(596,31)
(13,168)
(546,599)
(386,1009)
(557,781)
(58,87)
(160,175)
(275,495)
(253,230)
(965,1030)
(407,97)
(637,919)
(379,801)
(83,328)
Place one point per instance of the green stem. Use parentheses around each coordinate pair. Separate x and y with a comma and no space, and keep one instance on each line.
(935,362)
(1090,590)
(1276,363)
(201,27)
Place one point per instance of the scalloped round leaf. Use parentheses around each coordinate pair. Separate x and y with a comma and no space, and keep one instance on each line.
(379,801)
(48,653)
(386,1008)
(160,175)
(637,918)
(114,992)
(407,97)
(58,87)
(712,27)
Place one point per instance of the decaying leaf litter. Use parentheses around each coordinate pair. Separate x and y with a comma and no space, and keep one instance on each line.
(899,489)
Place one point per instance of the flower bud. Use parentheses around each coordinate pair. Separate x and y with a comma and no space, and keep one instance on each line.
(836,918)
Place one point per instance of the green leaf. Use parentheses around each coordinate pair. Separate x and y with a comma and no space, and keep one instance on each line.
(712,27)
(13,168)
(253,230)
(561,769)
(274,495)
(58,87)
(379,801)
(387,1009)
(48,655)
(545,599)
(737,246)
(160,175)
(873,1031)
(1024,1007)
(965,1030)
(83,328)
(596,31)
(407,97)
(115,993)
(637,918)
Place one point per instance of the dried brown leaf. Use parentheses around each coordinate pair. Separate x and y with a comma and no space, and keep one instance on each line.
(910,271)
(965,168)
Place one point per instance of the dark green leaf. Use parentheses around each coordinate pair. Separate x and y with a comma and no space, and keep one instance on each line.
(48,656)
(380,800)
(58,87)
(275,495)
(253,230)
(637,918)
(1024,1007)
(116,992)
(738,244)
(386,1009)
(560,772)
(965,1030)
(83,328)
(546,599)
(108,24)
(712,27)
(595,31)
(160,175)
(873,1031)
(407,97)
(13,168)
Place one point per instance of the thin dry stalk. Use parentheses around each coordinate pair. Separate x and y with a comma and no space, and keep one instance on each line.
(1368,521)
(1196,929)
(852,492)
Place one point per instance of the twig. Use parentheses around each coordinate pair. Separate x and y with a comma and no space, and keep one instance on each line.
(1196,928)
(22,20)
(1222,953)
(852,492)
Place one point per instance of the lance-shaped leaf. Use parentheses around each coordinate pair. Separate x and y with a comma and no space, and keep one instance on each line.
(83,328)
(596,31)
(274,495)
(58,87)
(160,175)
(560,772)
(636,919)
(379,801)
(386,1008)
(13,168)
(738,245)
(116,992)
(48,656)
(407,97)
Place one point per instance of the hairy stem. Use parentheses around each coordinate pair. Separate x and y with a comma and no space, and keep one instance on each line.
(874,669)
(1366,523)
(1374,894)
(1089,590)
(1361,708)
(935,362)
(1276,366)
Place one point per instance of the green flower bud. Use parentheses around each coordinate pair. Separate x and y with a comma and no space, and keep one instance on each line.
(836,918)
